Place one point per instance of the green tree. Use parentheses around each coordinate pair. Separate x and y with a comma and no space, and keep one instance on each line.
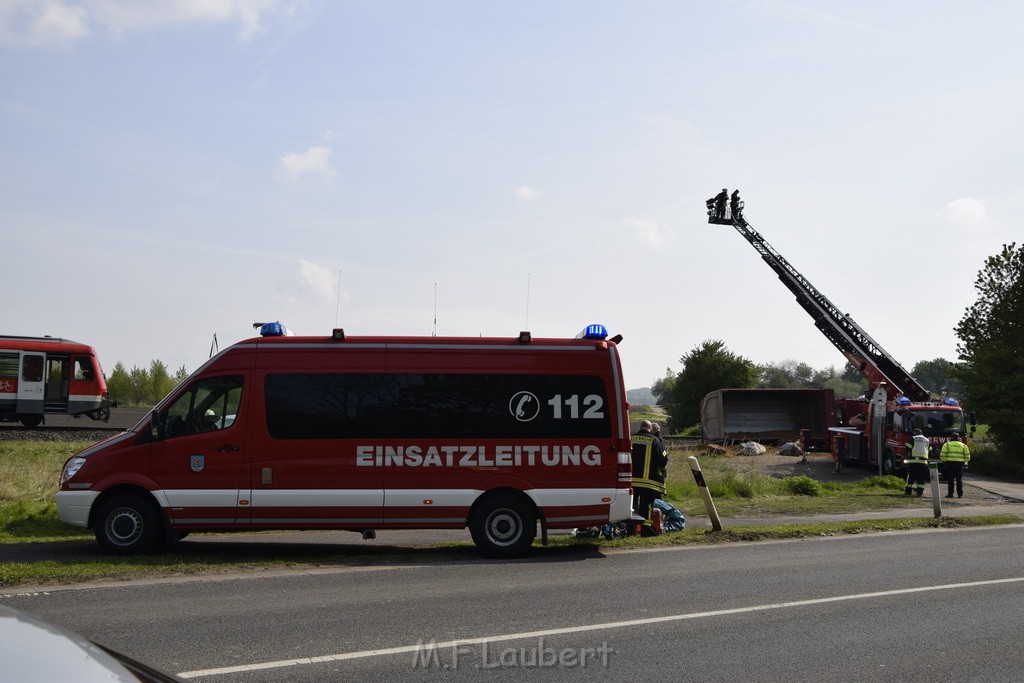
(180,376)
(842,383)
(991,335)
(789,374)
(938,376)
(706,368)
(119,385)
(139,386)
(662,388)
(160,382)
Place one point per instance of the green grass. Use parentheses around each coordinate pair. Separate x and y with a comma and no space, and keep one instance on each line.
(755,493)
(29,479)
(29,474)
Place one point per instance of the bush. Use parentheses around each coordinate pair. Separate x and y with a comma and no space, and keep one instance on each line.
(994,463)
(888,482)
(802,486)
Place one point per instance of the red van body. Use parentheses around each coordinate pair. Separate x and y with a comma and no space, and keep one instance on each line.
(365,433)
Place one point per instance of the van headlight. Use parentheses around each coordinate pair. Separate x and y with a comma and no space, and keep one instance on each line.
(71,469)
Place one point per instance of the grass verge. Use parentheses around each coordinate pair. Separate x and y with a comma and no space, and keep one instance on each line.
(28,483)
(256,557)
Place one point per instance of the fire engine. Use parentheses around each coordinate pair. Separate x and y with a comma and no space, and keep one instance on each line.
(47,375)
(363,433)
(875,429)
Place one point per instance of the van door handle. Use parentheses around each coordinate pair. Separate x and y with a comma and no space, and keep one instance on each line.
(229,448)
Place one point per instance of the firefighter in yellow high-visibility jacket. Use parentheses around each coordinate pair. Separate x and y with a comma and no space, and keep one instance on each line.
(955,454)
(649,469)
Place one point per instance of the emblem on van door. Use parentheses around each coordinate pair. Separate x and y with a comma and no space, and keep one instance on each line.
(198,463)
(524,406)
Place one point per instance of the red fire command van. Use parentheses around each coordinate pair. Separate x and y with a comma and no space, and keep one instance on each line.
(365,433)
(47,375)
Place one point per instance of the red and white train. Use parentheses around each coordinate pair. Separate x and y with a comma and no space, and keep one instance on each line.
(42,376)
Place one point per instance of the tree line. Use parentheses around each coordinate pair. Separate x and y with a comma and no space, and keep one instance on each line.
(987,378)
(142,386)
(711,365)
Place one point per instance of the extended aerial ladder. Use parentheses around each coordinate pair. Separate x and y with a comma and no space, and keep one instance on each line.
(874,363)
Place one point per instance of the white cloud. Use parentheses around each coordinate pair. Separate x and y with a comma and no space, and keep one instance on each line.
(51,23)
(62,23)
(315,160)
(650,233)
(525,193)
(964,213)
(320,281)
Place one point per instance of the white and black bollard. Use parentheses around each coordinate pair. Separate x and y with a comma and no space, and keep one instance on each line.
(698,476)
(933,473)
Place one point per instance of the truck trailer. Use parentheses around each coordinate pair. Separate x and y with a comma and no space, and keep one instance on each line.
(769,415)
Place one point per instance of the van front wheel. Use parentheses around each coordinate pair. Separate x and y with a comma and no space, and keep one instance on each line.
(503,526)
(127,525)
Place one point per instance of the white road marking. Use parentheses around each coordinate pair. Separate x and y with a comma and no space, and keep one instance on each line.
(407,649)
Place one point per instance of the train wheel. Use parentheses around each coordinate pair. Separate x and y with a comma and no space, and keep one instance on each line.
(128,525)
(503,526)
(31,421)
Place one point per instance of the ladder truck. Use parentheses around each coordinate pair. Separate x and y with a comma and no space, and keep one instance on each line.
(873,430)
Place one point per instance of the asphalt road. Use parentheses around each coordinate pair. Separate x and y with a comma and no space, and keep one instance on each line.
(911,606)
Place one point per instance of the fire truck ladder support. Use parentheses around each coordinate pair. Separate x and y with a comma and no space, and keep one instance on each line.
(874,363)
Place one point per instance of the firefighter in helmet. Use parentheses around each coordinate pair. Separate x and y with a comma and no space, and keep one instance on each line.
(649,463)
(917,464)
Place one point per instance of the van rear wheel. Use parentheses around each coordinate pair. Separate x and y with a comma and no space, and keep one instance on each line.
(128,525)
(503,526)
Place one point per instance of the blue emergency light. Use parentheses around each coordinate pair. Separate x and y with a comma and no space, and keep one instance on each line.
(593,332)
(274,329)
(951,401)
(903,401)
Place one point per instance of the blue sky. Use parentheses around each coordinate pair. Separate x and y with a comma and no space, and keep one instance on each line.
(174,170)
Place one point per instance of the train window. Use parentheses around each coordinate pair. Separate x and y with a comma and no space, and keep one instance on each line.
(32,368)
(8,365)
(83,368)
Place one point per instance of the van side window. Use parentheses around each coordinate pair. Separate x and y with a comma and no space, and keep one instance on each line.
(208,405)
(435,406)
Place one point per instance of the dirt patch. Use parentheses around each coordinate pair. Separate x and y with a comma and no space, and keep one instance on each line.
(817,466)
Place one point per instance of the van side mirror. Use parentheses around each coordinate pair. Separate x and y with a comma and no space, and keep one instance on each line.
(155,428)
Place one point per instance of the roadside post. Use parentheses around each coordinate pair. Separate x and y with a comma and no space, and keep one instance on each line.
(933,473)
(698,476)
(879,425)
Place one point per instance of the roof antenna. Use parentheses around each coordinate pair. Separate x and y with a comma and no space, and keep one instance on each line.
(435,309)
(337,311)
(214,347)
(527,325)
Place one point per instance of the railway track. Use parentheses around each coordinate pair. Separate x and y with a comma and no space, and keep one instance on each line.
(69,428)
